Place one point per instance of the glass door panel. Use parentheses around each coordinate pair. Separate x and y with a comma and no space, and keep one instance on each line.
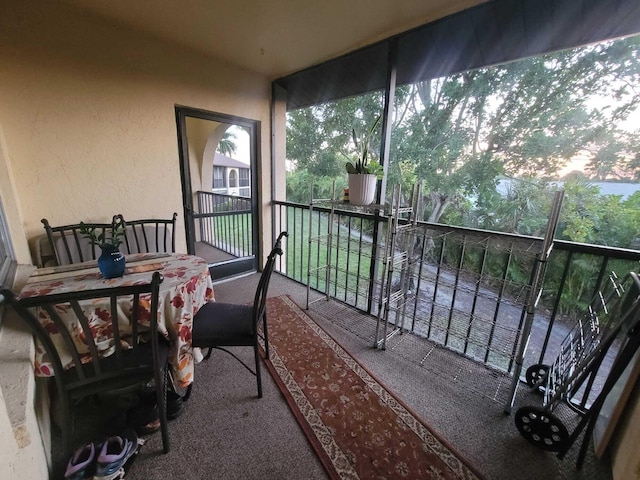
(218,155)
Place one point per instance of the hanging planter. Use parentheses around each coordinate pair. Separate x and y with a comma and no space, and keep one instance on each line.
(363,172)
(362,188)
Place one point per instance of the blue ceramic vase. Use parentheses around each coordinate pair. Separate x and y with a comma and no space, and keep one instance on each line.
(111,261)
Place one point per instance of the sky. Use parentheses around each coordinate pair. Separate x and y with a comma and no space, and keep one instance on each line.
(242,144)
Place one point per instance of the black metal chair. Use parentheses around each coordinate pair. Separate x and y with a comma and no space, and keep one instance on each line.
(151,235)
(69,245)
(219,325)
(137,357)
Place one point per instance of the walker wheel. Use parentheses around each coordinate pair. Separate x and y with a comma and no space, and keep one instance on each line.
(536,373)
(542,429)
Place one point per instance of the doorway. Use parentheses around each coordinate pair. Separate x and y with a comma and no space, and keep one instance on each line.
(218,165)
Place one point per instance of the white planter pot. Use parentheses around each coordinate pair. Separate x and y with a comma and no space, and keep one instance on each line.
(362,188)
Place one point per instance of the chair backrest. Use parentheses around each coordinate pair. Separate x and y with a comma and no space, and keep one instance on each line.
(149,235)
(83,327)
(260,299)
(70,245)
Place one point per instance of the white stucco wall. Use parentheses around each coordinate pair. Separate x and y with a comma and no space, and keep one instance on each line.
(88,129)
(88,115)
(25,450)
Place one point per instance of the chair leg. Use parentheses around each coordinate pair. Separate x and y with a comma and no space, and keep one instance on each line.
(161,401)
(66,421)
(266,336)
(258,376)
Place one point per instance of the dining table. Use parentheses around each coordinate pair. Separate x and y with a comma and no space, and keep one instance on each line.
(186,286)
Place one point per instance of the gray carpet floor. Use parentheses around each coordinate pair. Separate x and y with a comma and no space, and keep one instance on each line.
(226,432)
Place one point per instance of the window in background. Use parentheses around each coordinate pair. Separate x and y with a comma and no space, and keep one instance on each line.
(244,177)
(233,179)
(218,177)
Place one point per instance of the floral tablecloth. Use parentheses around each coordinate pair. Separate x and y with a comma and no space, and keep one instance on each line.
(186,287)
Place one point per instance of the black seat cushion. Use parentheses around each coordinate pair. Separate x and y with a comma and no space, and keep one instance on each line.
(223,324)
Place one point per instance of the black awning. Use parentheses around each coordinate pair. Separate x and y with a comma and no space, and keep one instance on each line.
(495,32)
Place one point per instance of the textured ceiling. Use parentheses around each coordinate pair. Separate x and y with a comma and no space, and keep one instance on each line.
(277,37)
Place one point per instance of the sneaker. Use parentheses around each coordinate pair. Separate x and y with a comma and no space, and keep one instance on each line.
(113,455)
(81,463)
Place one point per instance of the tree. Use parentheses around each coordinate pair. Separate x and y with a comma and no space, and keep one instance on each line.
(527,118)
(459,134)
(523,208)
(319,138)
(227,145)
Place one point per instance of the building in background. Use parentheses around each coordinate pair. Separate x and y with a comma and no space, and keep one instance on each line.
(231,176)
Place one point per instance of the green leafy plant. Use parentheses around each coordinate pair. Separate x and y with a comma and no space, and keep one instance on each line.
(363,164)
(113,236)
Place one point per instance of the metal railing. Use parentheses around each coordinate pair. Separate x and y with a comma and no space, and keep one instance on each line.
(225,222)
(469,286)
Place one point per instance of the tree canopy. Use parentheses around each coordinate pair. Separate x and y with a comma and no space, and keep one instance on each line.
(459,135)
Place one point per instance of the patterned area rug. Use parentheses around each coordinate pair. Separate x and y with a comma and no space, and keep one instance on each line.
(357,427)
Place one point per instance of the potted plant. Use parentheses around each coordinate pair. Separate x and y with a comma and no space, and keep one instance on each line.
(111,261)
(364,172)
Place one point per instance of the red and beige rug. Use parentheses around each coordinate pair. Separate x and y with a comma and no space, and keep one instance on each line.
(357,427)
